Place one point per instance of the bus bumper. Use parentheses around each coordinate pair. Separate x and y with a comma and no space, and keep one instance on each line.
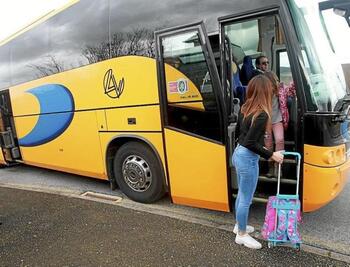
(321,185)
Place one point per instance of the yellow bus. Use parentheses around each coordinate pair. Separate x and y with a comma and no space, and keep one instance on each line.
(142,94)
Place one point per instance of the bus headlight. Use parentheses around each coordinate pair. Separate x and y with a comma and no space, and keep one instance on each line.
(334,156)
(325,156)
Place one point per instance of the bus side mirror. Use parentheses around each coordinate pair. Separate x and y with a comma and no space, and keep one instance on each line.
(340,7)
(344,12)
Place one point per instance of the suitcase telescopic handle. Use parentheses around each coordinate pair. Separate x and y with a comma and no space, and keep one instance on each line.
(296,155)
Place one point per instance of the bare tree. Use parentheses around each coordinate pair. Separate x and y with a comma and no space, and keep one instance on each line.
(117,45)
(150,45)
(48,67)
(97,53)
(139,42)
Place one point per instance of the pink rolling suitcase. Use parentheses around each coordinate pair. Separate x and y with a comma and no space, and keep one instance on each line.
(283,214)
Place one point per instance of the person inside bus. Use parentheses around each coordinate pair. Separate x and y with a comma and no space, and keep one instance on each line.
(261,64)
(277,131)
(247,70)
(253,120)
(238,89)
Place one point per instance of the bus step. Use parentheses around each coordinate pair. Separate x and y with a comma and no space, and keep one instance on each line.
(274,180)
(255,199)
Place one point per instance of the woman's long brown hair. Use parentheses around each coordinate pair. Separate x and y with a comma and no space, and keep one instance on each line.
(259,98)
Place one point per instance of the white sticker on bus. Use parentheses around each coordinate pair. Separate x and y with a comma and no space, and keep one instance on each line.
(178,87)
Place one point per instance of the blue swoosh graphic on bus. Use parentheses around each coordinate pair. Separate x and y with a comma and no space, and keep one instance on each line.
(56,114)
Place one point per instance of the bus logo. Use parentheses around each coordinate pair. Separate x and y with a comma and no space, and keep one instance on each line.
(182,86)
(111,87)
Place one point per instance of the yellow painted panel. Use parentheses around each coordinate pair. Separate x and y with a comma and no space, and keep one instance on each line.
(25,124)
(181,89)
(87,85)
(101,120)
(2,159)
(325,156)
(190,105)
(322,185)
(197,171)
(27,104)
(70,170)
(155,139)
(77,150)
(147,119)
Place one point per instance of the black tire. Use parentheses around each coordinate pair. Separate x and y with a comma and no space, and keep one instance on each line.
(138,172)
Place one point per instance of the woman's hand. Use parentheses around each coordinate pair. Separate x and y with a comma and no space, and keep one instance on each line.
(277,156)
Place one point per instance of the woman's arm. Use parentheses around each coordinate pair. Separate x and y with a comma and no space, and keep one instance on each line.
(255,133)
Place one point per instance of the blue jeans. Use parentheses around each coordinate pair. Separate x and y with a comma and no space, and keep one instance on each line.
(246,163)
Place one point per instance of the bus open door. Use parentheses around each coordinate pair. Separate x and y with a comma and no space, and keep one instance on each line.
(193,125)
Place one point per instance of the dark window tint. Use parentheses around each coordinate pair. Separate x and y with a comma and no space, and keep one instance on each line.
(138,42)
(90,31)
(4,66)
(30,58)
(191,101)
(133,22)
(79,35)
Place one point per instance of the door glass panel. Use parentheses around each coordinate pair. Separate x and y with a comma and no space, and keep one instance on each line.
(283,68)
(252,39)
(191,101)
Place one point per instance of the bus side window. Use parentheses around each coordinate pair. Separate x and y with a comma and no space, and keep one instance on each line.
(191,101)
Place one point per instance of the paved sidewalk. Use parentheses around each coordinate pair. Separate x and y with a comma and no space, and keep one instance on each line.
(40,229)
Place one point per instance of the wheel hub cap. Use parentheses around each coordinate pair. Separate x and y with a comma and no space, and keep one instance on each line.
(137,173)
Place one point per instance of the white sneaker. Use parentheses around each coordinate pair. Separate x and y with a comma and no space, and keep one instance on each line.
(247,241)
(249,229)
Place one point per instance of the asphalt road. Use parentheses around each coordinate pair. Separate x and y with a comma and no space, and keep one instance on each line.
(326,230)
(40,229)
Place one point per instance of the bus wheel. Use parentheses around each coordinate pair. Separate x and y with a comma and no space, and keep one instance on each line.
(138,173)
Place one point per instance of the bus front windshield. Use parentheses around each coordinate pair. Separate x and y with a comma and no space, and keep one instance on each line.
(324,75)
